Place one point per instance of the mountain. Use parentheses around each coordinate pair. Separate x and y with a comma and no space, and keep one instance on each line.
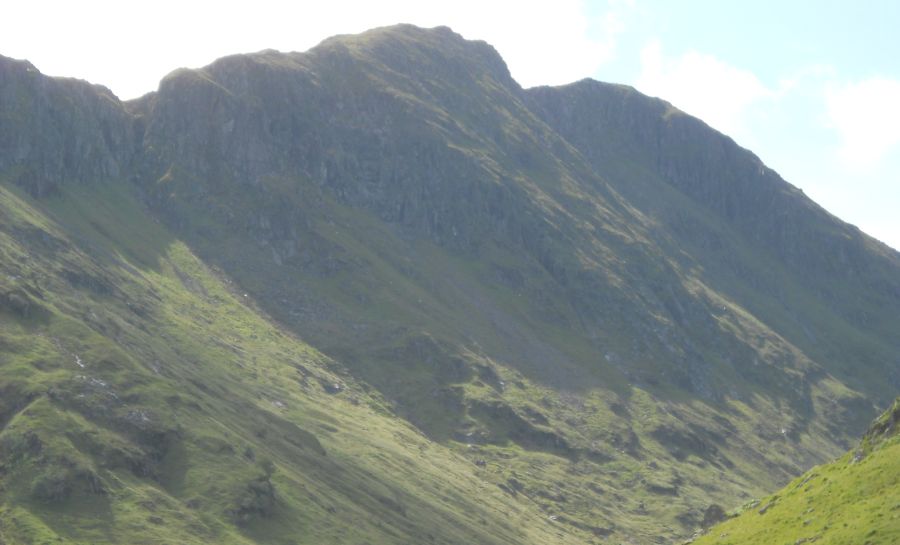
(378,292)
(854,499)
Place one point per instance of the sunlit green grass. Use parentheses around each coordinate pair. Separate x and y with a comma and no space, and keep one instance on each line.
(140,403)
(853,500)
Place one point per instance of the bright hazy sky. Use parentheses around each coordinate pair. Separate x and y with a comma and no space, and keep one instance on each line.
(811,86)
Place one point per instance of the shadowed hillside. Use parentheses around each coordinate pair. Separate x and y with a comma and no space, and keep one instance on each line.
(426,298)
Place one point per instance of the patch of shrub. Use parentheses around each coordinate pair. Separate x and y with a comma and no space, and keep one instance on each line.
(258,498)
(58,482)
(52,485)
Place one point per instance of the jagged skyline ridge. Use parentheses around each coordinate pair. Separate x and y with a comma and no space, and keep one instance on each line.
(572,244)
(814,99)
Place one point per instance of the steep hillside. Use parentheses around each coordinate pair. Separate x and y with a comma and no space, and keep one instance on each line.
(144,399)
(855,499)
(823,285)
(592,309)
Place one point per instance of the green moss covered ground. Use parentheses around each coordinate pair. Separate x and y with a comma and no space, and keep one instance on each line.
(379,293)
(854,500)
(144,400)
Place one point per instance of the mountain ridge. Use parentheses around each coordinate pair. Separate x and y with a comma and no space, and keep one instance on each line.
(528,289)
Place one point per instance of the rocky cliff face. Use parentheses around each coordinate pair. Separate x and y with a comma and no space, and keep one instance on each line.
(429,133)
(371,119)
(610,122)
(620,131)
(581,279)
(56,129)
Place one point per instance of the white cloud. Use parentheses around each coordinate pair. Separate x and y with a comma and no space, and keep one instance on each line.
(867,116)
(542,43)
(130,49)
(813,74)
(782,123)
(703,86)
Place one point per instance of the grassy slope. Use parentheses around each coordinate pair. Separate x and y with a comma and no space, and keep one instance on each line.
(853,500)
(479,344)
(496,366)
(143,397)
(639,465)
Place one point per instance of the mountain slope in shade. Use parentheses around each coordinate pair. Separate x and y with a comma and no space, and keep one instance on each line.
(582,308)
(814,278)
(855,499)
(144,399)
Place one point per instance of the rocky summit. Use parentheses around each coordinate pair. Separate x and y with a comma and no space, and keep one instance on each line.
(377,292)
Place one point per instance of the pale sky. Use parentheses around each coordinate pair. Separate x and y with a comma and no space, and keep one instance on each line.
(811,86)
